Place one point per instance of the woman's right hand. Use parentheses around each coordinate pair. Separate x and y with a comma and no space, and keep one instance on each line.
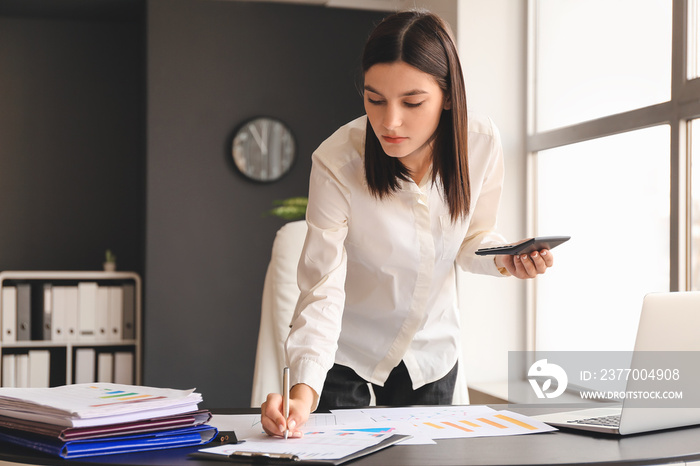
(301,401)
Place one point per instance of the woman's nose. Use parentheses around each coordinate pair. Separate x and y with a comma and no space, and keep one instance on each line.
(392,117)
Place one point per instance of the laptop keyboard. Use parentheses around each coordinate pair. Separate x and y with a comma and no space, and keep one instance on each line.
(606,421)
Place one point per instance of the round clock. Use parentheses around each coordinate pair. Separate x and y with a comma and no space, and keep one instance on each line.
(263,149)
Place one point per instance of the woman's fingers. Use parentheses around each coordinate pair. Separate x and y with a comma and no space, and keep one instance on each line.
(271,415)
(531,265)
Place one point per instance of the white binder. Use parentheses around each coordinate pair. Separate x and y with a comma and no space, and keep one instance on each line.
(58,313)
(87,303)
(105,367)
(116,312)
(39,368)
(9,314)
(84,367)
(102,314)
(124,367)
(9,371)
(71,312)
(22,370)
(47,324)
(24,312)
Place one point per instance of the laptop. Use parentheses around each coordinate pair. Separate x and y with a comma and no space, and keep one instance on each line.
(669,322)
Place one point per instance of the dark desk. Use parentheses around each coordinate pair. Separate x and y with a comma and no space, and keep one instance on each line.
(555,448)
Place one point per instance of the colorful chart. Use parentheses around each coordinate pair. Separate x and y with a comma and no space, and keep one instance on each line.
(123,396)
(495,424)
(453,422)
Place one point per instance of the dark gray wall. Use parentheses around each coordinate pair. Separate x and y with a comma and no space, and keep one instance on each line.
(72,136)
(212,65)
(83,168)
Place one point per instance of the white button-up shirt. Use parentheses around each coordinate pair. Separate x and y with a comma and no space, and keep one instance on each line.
(377,277)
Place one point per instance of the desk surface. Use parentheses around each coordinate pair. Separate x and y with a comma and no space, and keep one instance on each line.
(555,448)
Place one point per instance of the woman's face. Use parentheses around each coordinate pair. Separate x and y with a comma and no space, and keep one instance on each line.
(403,105)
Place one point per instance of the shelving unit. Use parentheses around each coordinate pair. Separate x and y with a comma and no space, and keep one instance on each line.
(87,323)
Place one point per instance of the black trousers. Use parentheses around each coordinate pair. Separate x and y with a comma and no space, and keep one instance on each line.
(345,389)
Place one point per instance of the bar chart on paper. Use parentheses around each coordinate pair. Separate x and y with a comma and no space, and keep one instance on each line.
(452,422)
(502,423)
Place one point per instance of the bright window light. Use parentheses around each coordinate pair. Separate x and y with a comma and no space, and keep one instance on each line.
(612,196)
(694,252)
(600,57)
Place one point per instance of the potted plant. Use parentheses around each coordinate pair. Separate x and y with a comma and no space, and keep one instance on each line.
(110,263)
(293,208)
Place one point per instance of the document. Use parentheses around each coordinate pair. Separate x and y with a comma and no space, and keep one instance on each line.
(443,422)
(330,437)
(83,405)
(248,425)
(316,445)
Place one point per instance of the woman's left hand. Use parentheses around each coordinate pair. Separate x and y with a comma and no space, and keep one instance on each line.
(526,265)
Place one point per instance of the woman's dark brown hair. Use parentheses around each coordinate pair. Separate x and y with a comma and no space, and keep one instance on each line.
(423,40)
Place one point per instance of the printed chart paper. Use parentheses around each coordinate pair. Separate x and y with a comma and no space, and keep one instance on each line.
(443,422)
(325,444)
(249,425)
(345,431)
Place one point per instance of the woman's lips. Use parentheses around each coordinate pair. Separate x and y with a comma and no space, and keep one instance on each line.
(394,139)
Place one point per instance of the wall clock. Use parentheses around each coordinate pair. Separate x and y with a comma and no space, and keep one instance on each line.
(263,149)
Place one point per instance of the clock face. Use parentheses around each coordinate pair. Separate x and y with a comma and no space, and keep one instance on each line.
(263,149)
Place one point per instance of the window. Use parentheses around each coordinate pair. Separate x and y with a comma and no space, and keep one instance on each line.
(694,252)
(693,40)
(611,195)
(613,95)
(600,57)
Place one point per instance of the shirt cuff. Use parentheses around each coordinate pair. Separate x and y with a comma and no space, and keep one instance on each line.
(309,372)
(502,270)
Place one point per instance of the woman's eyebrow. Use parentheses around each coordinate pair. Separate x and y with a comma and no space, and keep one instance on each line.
(405,94)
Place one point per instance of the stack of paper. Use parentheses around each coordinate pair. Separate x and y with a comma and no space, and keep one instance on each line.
(98,419)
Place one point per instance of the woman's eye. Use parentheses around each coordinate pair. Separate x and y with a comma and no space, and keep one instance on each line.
(374,101)
(413,104)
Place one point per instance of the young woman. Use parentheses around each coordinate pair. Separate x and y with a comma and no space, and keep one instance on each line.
(395,198)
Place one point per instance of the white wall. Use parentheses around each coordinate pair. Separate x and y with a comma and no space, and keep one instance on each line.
(492,44)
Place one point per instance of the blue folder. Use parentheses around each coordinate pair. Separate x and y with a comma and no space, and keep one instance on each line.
(185,437)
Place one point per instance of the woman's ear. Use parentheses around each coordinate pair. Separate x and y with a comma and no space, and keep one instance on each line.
(448,103)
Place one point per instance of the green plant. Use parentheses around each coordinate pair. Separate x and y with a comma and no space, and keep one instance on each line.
(293,208)
(109,256)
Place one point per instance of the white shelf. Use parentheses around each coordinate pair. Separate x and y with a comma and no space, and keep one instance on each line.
(65,349)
